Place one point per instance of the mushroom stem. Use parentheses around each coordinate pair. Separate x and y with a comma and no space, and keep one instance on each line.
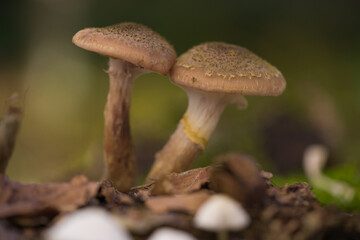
(315,157)
(190,138)
(118,147)
(203,114)
(177,154)
(222,235)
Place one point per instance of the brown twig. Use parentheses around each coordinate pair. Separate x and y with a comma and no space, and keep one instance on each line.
(9,126)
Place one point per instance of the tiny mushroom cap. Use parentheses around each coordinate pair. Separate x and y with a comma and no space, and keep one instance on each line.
(167,233)
(132,42)
(90,223)
(226,68)
(221,213)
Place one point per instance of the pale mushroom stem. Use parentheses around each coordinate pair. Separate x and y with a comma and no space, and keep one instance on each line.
(315,158)
(118,148)
(222,235)
(190,138)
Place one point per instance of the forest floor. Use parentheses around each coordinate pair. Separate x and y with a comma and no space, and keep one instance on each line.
(287,212)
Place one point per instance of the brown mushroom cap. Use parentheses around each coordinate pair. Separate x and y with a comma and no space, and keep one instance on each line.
(131,42)
(222,67)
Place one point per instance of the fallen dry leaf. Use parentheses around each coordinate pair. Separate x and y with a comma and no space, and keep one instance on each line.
(238,176)
(141,193)
(44,200)
(180,183)
(112,196)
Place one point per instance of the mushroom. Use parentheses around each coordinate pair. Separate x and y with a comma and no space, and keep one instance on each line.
(88,223)
(221,214)
(166,233)
(133,49)
(214,74)
(314,160)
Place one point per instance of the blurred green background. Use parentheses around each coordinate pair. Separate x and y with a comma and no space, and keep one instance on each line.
(315,44)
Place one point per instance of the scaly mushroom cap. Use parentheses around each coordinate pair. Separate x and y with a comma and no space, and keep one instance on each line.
(222,67)
(131,42)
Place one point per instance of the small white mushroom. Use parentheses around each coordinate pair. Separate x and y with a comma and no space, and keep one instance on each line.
(315,157)
(87,224)
(167,233)
(221,214)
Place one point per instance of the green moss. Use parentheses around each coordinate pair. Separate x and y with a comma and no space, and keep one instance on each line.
(348,173)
